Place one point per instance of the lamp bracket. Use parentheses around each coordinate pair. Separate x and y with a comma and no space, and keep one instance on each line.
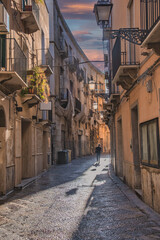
(133,35)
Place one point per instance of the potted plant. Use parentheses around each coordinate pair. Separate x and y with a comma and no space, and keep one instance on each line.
(30,89)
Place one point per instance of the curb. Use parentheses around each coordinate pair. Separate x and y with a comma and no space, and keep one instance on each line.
(132,197)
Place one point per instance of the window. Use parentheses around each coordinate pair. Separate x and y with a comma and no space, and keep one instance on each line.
(149,143)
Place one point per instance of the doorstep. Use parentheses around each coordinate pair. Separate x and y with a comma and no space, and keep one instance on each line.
(26,182)
(138,192)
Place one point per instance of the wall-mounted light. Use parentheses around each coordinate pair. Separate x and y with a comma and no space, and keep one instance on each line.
(95,106)
(91,85)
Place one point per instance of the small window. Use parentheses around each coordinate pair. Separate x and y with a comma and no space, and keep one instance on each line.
(149,143)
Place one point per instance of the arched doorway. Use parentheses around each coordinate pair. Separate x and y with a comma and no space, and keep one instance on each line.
(2,151)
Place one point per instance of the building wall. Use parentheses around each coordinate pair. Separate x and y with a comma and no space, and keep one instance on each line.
(77,127)
(22,138)
(137,107)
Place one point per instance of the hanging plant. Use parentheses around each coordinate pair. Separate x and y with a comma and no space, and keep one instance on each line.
(38,84)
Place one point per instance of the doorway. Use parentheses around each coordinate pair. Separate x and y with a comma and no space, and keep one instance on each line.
(2,151)
(45,148)
(79,145)
(27,168)
(135,147)
(120,148)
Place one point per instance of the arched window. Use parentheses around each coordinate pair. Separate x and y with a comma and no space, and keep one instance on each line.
(2,118)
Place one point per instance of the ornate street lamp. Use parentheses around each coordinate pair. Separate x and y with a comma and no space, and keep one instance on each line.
(102,12)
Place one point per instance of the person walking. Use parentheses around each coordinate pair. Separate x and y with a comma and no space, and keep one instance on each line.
(98,152)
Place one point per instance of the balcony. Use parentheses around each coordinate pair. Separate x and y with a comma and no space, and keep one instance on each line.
(80,75)
(13,66)
(45,120)
(4,20)
(31,100)
(77,105)
(30,16)
(44,60)
(125,63)
(63,48)
(63,97)
(150,21)
(72,64)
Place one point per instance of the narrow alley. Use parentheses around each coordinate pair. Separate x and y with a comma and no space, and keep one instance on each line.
(77,201)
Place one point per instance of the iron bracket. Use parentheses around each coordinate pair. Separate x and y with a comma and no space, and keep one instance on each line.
(133,35)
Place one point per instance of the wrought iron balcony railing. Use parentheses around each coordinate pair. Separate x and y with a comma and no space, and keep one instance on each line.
(44,59)
(12,58)
(63,47)
(150,13)
(124,54)
(72,64)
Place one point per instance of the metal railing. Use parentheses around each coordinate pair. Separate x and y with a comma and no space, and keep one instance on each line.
(44,57)
(12,58)
(30,5)
(150,13)
(124,53)
(63,47)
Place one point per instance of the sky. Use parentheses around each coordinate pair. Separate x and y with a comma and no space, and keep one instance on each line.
(81,21)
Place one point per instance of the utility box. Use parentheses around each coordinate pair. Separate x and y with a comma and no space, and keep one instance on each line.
(62,157)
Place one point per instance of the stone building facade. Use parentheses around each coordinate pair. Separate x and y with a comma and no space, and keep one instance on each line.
(25,137)
(45,102)
(133,108)
(76,124)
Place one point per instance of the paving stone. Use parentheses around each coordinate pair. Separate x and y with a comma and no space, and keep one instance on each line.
(78,201)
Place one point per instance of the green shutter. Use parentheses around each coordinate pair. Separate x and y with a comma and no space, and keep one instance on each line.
(2,51)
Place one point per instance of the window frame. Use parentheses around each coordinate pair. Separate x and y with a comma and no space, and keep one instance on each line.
(148,163)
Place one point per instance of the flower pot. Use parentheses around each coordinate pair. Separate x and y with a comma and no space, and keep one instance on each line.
(28,8)
(30,90)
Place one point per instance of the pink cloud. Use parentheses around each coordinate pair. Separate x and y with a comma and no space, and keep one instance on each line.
(95,55)
(81,32)
(78,8)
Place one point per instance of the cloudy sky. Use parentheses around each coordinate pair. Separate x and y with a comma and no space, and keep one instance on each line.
(81,20)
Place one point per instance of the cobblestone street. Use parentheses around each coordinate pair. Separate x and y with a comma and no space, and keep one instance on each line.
(77,201)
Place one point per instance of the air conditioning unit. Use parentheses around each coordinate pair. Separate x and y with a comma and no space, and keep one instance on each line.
(4,20)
